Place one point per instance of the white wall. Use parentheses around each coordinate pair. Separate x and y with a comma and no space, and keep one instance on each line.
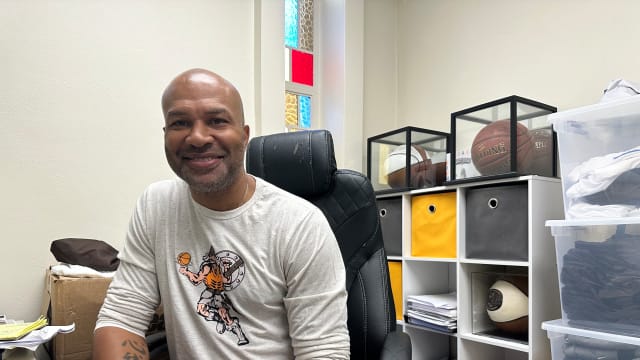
(80,108)
(341,77)
(452,55)
(81,121)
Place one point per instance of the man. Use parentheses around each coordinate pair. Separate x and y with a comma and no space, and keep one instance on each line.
(271,281)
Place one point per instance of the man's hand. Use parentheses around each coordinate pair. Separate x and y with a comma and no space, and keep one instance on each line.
(113,343)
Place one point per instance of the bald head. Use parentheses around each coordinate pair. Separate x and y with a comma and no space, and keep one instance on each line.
(191,81)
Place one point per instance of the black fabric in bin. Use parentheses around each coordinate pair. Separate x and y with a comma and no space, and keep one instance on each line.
(390,212)
(497,222)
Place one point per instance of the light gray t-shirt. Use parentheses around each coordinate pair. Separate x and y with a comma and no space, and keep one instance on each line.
(263,281)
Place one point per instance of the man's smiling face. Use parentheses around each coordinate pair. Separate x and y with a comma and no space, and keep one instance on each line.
(205,136)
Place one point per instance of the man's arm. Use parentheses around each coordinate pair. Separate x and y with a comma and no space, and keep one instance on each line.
(114,343)
(316,300)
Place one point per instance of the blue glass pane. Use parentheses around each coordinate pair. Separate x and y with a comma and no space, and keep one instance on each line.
(291,23)
(304,107)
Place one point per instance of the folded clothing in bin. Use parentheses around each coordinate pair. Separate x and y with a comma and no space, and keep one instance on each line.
(601,286)
(607,184)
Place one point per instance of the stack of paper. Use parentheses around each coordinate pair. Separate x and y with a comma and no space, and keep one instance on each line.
(438,311)
(18,330)
(37,337)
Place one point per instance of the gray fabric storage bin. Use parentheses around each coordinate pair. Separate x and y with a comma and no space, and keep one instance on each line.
(497,222)
(390,212)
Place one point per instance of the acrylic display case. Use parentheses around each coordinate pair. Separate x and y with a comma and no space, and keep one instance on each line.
(502,138)
(423,152)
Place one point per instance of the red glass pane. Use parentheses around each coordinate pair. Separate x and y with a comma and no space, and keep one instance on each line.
(301,67)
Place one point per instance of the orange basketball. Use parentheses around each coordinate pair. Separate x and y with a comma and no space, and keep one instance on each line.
(491,148)
(184,258)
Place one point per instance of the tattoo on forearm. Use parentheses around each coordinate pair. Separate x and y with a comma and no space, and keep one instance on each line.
(139,350)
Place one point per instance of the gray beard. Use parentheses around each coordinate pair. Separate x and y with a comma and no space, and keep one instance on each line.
(217,186)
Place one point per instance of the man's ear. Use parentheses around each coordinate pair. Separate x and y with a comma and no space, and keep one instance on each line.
(247,133)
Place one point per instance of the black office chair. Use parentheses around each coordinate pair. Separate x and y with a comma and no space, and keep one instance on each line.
(303,163)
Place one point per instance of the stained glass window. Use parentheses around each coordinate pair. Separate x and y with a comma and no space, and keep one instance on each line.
(299,59)
(291,21)
(297,111)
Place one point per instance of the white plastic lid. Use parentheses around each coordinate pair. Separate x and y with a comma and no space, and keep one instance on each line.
(601,111)
(558,326)
(593,221)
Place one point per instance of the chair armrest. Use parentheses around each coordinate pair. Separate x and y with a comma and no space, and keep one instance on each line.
(157,344)
(397,346)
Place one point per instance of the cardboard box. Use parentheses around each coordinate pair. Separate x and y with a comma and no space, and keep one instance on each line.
(75,300)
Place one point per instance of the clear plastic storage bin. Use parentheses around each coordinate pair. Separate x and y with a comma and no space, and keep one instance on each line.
(569,343)
(599,273)
(599,155)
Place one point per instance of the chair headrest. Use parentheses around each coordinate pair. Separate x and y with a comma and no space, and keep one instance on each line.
(301,162)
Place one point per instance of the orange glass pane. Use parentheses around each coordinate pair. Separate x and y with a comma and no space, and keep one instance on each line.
(291,109)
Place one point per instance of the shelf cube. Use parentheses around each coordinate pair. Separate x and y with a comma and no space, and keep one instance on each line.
(433,225)
(395,276)
(407,158)
(390,212)
(496,222)
(502,138)
(500,305)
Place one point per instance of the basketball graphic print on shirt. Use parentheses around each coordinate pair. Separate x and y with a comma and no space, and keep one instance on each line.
(220,272)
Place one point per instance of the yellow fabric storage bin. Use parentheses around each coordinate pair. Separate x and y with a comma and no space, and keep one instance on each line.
(433,225)
(395,273)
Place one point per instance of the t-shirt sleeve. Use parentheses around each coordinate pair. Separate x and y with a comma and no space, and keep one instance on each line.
(133,295)
(316,301)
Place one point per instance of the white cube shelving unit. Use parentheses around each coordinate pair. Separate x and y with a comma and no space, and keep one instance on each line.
(427,275)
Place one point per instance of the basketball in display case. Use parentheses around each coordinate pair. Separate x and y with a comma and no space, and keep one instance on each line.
(508,305)
(407,158)
(502,138)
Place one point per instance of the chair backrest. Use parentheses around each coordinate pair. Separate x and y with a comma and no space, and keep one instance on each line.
(303,163)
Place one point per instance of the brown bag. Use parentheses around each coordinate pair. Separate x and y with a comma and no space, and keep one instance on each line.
(95,254)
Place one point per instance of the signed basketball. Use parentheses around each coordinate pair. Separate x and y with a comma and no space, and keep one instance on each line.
(421,173)
(491,148)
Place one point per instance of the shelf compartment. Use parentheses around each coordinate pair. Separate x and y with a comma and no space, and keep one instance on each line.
(395,274)
(433,225)
(478,347)
(432,344)
(496,223)
(390,212)
(495,292)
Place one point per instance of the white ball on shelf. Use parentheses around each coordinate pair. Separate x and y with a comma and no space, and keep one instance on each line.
(508,306)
